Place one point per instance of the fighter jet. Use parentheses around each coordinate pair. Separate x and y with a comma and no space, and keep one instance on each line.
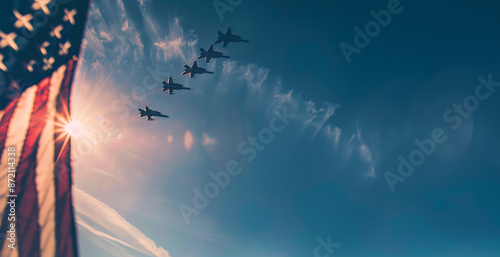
(150,113)
(228,37)
(193,70)
(211,53)
(171,86)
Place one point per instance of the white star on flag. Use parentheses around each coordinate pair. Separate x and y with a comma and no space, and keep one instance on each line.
(23,21)
(48,63)
(2,66)
(64,48)
(56,32)
(41,5)
(8,40)
(70,16)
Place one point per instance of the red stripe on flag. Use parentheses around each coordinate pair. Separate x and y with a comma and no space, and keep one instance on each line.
(27,195)
(4,125)
(65,225)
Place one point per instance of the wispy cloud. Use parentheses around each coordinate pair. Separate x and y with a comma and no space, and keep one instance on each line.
(264,92)
(111,36)
(96,232)
(333,133)
(315,119)
(356,144)
(97,212)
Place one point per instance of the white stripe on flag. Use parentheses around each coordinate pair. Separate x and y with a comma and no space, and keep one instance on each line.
(16,135)
(44,171)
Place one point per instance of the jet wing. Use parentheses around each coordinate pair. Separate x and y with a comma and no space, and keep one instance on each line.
(191,75)
(211,48)
(228,32)
(195,65)
(170,91)
(225,43)
(170,80)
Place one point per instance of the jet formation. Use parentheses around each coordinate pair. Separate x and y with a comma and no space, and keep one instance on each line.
(170,86)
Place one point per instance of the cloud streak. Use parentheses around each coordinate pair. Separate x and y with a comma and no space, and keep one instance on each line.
(97,212)
(315,119)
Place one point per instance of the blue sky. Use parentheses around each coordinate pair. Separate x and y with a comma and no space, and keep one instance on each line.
(323,175)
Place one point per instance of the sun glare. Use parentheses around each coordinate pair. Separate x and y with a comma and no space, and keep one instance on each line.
(73,129)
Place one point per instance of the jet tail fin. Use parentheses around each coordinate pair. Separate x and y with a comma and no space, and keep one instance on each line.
(220,33)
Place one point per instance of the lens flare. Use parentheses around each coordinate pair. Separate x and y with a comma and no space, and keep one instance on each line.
(188,140)
(207,140)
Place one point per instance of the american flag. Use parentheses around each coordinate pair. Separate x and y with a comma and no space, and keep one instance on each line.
(39,44)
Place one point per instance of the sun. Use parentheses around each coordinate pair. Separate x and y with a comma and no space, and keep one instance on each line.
(73,129)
